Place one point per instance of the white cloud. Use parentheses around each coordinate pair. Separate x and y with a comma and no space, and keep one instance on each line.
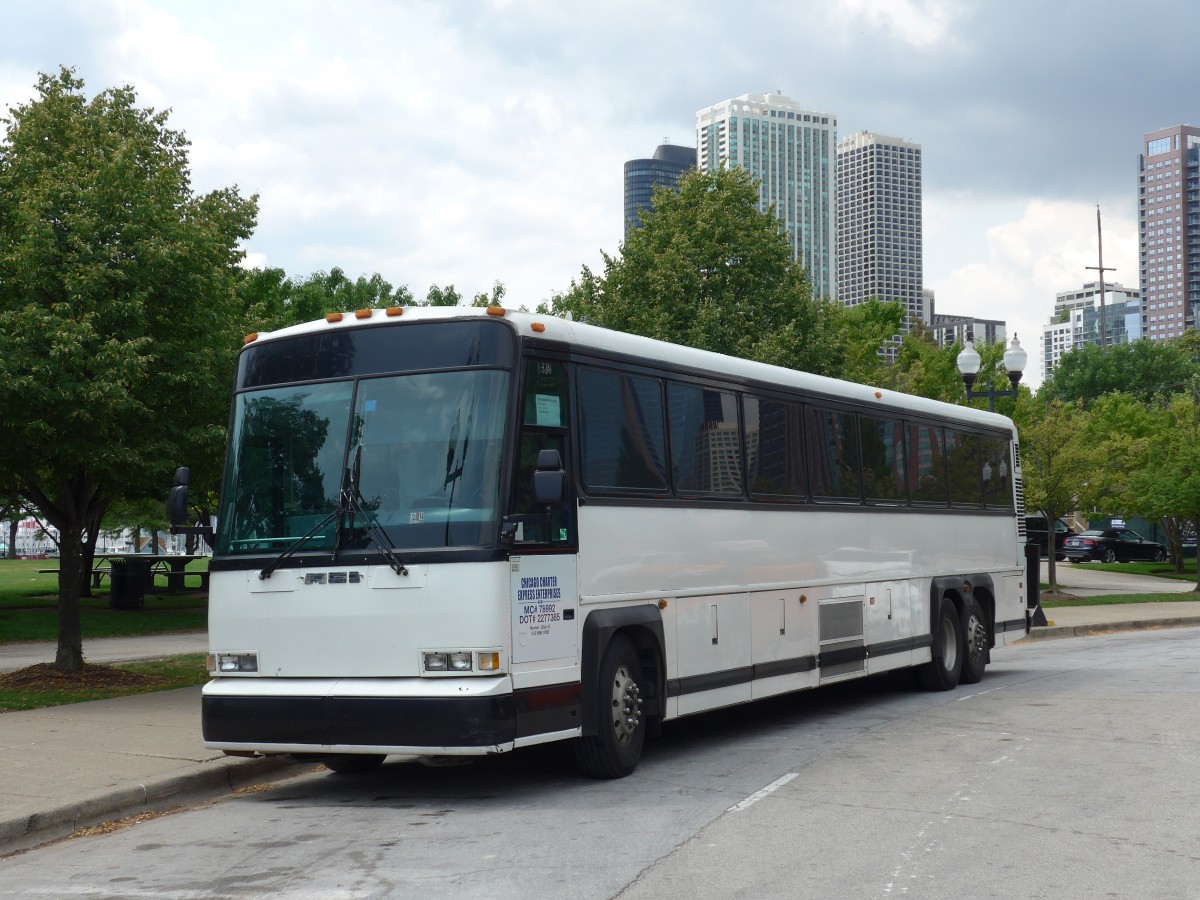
(922,24)
(1029,259)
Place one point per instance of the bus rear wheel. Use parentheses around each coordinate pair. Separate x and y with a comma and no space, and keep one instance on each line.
(353,763)
(975,643)
(614,751)
(942,672)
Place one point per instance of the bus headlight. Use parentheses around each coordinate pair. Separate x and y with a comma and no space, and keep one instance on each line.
(229,663)
(459,662)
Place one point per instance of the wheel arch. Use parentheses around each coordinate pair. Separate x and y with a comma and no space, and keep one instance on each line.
(957,588)
(643,626)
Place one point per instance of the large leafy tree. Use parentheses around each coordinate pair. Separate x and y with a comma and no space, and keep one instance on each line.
(708,269)
(118,312)
(1145,369)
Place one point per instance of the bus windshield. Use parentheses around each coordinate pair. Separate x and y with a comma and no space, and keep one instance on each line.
(422,452)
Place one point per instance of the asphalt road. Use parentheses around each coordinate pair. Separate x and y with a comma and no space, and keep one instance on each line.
(1069,772)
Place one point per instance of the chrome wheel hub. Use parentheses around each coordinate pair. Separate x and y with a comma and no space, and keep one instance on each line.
(626,706)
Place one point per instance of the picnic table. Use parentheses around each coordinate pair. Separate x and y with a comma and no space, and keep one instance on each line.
(132,574)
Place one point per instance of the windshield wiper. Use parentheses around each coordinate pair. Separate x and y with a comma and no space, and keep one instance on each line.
(373,528)
(348,504)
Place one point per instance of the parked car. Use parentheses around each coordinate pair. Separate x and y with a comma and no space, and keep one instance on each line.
(1035,533)
(1112,545)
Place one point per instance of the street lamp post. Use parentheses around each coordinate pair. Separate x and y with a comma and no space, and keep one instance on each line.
(1015,358)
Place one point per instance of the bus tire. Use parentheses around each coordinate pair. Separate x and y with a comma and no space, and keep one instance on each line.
(614,751)
(354,763)
(975,643)
(942,672)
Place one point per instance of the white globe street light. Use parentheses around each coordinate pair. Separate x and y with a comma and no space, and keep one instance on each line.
(968,363)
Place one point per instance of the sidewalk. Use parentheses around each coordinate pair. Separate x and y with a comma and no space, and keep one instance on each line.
(87,763)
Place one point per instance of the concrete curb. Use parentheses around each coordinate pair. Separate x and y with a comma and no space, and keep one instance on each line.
(213,779)
(1051,632)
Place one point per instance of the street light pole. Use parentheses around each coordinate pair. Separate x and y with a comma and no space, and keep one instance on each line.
(968,363)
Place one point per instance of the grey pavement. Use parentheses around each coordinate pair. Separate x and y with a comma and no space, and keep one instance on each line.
(83,764)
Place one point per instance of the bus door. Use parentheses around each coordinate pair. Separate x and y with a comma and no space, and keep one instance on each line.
(542,568)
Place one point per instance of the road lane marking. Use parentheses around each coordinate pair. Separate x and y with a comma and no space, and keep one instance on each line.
(758,795)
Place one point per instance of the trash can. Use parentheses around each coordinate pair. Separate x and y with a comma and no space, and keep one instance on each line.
(128,590)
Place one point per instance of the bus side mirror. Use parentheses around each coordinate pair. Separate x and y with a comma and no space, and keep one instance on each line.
(549,480)
(177,500)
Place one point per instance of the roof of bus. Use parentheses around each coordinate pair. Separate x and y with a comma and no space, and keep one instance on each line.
(582,335)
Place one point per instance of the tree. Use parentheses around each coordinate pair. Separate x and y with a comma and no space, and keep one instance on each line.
(1056,462)
(273,301)
(708,269)
(924,369)
(119,317)
(1162,466)
(1144,369)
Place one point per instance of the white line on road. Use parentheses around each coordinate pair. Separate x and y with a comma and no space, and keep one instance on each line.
(758,795)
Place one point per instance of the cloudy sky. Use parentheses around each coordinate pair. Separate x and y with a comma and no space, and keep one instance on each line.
(473,141)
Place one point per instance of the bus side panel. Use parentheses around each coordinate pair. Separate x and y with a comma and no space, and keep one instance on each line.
(783,641)
(713,642)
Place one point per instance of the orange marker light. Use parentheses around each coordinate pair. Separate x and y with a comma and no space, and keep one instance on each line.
(496,310)
(538,327)
(250,338)
(395,310)
(333,317)
(362,313)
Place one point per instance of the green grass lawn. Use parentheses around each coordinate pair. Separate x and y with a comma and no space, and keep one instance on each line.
(29,607)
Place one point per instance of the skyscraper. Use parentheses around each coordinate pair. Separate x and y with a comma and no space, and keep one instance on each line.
(1169,231)
(791,150)
(664,169)
(879,248)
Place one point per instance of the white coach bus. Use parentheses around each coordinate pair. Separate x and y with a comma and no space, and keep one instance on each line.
(466,531)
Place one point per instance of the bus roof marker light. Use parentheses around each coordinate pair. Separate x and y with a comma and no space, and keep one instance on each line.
(363,313)
(333,317)
(496,311)
(250,338)
(538,327)
(394,311)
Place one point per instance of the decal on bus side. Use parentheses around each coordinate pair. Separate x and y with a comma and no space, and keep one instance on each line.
(544,605)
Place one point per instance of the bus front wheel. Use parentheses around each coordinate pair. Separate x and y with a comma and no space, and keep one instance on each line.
(614,751)
(942,672)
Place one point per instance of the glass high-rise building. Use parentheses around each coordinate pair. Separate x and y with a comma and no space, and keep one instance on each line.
(664,169)
(1169,231)
(879,244)
(792,151)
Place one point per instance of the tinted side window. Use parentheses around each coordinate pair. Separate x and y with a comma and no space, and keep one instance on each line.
(706,450)
(997,474)
(882,442)
(775,448)
(927,464)
(963,462)
(622,439)
(832,439)
(544,427)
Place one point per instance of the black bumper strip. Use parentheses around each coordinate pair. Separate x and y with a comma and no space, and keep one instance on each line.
(361,721)
(1011,625)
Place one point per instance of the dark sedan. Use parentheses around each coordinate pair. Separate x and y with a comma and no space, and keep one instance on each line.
(1112,545)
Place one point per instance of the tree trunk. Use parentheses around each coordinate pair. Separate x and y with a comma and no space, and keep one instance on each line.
(69,657)
(89,553)
(13,526)
(1175,538)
